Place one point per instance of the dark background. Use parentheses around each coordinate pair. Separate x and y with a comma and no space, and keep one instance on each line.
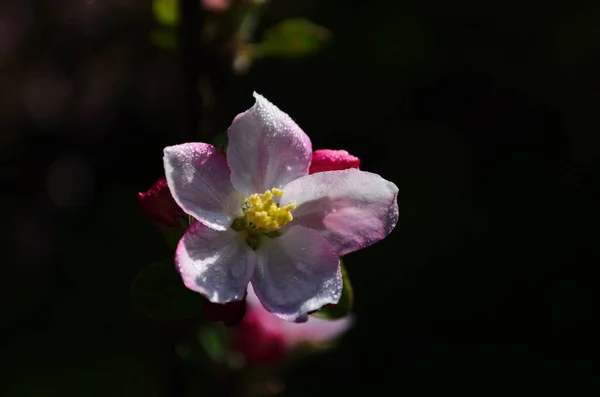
(487,118)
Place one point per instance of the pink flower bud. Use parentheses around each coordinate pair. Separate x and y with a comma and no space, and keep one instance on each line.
(216,5)
(332,160)
(259,342)
(264,338)
(158,205)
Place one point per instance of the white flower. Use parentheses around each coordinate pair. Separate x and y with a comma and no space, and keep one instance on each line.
(262,219)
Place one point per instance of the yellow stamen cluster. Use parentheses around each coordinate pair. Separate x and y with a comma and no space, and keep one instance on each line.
(264,214)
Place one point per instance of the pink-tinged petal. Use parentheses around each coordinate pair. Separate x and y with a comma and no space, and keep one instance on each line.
(313,330)
(218,264)
(317,330)
(297,273)
(332,160)
(198,177)
(352,209)
(158,205)
(266,149)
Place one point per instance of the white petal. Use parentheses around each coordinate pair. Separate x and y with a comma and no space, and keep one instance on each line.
(296,273)
(352,209)
(266,149)
(218,264)
(198,178)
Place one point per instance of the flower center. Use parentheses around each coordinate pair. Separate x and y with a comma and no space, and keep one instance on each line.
(264,215)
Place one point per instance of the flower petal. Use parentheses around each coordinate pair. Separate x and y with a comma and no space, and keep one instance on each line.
(217,264)
(316,329)
(332,160)
(313,330)
(296,273)
(266,149)
(352,209)
(198,177)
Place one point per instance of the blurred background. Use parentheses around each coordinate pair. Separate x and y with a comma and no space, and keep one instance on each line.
(486,116)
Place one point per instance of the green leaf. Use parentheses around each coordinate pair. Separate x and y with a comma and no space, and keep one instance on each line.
(166,12)
(158,292)
(172,236)
(214,343)
(292,38)
(220,142)
(342,309)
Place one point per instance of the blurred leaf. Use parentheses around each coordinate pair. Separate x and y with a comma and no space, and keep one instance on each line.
(166,12)
(292,38)
(342,309)
(214,342)
(112,373)
(243,59)
(220,142)
(158,292)
(172,236)
(209,345)
(163,38)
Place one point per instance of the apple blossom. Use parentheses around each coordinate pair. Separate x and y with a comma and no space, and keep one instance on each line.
(262,219)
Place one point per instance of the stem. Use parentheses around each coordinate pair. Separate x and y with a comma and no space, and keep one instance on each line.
(177,372)
(191,57)
(189,38)
(219,51)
